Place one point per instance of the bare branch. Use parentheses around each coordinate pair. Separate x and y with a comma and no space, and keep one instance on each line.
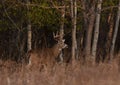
(9,16)
(110,7)
(47,7)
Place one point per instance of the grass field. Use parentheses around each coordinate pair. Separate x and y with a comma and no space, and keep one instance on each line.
(60,74)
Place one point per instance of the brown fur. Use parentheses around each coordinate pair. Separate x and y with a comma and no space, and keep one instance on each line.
(46,56)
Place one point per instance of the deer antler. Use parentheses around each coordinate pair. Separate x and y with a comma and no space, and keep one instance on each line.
(56,36)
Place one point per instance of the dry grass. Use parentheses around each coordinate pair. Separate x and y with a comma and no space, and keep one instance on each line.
(61,74)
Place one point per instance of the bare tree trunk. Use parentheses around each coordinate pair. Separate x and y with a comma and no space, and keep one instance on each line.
(62,30)
(109,35)
(89,18)
(29,40)
(29,32)
(96,31)
(85,16)
(89,36)
(115,33)
(75,28)
(73,17)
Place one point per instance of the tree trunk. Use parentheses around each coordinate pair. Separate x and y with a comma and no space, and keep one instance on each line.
(29,40)
(62,30)
(73,43)
(110,34)
(29,32)
(89,18)
(89,36)
(73,17)
(85,25)
(96,30)
(75,28)
(115,33)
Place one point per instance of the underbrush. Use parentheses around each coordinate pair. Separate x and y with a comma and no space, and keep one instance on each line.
(61,74)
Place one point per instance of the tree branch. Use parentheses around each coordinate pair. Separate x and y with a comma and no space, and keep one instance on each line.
(106,8)
(9,16)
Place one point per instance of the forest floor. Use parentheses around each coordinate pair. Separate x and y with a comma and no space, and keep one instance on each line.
(100,74)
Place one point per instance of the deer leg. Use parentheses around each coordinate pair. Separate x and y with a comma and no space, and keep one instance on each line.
(61,56)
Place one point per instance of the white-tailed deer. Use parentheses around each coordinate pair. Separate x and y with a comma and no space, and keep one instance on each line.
(47,56)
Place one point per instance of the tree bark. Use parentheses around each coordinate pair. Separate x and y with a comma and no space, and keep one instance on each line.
(29,33)
(89,36)
(115,33)
(109,35)
(85,26)
(62,30)
(73,43)
(75,28)
(96,31)
(89,18)
(73,17)
(29,40)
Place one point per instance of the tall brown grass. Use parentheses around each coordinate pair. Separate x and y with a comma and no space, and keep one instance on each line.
(61,74)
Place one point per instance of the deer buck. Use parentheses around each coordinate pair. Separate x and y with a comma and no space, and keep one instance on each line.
(47,56)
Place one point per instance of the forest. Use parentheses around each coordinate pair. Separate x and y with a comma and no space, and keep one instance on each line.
(59,42)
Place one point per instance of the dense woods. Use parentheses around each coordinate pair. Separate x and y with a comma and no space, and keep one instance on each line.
(41,33)
(85,25)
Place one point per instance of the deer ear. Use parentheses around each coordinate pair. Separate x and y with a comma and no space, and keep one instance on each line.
(53,34)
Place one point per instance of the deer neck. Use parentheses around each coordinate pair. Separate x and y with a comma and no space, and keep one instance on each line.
(56,50)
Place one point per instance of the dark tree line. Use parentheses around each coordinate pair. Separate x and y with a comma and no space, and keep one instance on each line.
(90,28)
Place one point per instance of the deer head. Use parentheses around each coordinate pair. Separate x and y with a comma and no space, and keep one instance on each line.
(60,41)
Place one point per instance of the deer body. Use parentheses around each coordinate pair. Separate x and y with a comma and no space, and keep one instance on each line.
(46,56)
